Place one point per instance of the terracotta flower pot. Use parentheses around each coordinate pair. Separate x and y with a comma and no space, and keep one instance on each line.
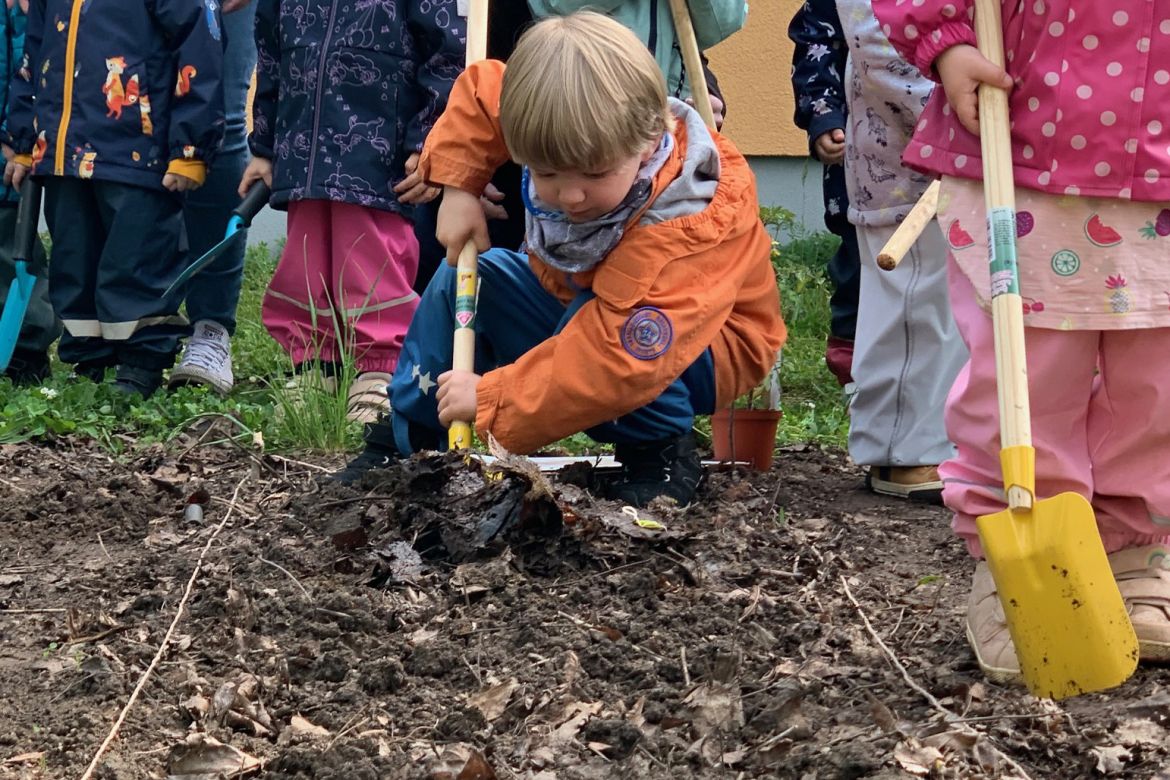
(753,432)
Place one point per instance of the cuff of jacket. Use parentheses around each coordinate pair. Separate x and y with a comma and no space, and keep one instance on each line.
(930,46)
(260,147)
(23,159)
(834,120)
(438,170)
(487,403)
(194,170)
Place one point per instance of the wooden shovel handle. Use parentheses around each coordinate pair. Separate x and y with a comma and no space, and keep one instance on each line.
(1015,422)
(689,46)
(911,228)
(467,271)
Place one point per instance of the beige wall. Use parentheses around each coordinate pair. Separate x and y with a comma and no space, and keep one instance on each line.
(753,69)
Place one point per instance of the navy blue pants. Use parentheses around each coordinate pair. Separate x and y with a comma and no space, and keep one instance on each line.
(515,314)
(214,292)
(116,249)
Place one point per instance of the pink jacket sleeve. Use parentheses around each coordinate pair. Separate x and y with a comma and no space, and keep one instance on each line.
(924,29)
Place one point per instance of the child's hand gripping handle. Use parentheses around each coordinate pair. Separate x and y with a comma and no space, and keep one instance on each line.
(466,272)
(256,199)
(692,60)
(28,214)
(1015,423)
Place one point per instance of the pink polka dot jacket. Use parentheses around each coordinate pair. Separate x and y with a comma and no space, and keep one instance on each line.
(1089,109)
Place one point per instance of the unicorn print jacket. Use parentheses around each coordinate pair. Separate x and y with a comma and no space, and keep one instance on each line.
(1088,110)
(124,91)
(347,90)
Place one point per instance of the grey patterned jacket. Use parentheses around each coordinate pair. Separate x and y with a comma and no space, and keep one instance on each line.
(346,90)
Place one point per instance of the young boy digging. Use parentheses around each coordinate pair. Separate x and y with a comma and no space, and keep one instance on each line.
(647,296)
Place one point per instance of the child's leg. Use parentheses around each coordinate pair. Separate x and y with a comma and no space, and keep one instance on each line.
(139,260)
(514,314)
(906,355)
(71,211)
(297,309)
(374,261)
(1061,365)
(1129,438)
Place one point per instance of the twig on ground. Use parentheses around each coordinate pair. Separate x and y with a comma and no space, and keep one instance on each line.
(313,466)
(162,648)
(103,546)
(35,611)
(948,716)
(289,574)
(682,654)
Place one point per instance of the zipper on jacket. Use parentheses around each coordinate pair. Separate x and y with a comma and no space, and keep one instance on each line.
(320,87)
(67,107)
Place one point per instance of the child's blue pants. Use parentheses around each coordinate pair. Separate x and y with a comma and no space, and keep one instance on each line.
(515,314)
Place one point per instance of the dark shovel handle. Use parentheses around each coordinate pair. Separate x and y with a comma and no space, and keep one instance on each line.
(28,214)
(256,199)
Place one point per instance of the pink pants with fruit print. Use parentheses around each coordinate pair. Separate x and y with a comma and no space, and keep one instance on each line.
(1100,404)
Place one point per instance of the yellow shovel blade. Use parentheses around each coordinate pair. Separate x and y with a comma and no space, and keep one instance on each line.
(1064,611)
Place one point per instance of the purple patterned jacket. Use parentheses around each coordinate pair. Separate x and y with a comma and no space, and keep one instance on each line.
(346,90)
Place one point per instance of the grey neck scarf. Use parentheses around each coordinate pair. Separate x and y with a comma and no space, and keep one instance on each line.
(574,247)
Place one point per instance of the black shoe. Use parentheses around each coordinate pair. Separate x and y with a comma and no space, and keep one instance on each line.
(94,371)
(28,367)
(667,467)
(379,453)
(132,380)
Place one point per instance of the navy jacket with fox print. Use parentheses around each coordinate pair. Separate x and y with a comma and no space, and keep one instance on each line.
(346,91)
(122,91)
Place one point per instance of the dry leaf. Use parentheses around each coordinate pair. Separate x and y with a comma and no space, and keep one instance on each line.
(10,579)
(300,725)
(573,718)
(882,715)
(1140,732)
(917,759)
(201,757)
(715,707)
(1110,759)
(493,700)
(476,768)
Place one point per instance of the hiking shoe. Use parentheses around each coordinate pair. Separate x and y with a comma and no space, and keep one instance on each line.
(207,360)
(667,467)
(28,367)
(379,453)
(839,359)
(132,380)
(987,630)
(1143,577)
(915,483)
(369,397)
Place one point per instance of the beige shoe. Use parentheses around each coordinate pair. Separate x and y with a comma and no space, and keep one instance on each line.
(916,483)
(1143,577)
(369,396)
(307,384)
(987,630)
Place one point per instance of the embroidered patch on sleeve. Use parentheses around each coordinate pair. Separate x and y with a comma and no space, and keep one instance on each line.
(647,333)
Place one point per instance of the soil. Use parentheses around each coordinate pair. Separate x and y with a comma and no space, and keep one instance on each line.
(437,622)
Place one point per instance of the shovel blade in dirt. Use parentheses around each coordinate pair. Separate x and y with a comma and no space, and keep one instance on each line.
(237,232)
(23,281)
(1065,614)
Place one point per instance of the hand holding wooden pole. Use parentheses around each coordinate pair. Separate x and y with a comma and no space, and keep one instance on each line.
(692,60)
(466,272)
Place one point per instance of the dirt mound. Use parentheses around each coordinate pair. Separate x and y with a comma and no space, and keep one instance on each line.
(447,621)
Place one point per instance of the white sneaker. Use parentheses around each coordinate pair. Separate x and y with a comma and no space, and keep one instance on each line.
(207,360)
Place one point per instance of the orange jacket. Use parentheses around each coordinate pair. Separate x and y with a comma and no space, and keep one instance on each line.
(710,273)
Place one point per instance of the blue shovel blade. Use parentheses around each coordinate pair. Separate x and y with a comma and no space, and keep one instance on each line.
(15,305)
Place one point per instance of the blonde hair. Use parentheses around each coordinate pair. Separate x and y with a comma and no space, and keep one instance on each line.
(581,92)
